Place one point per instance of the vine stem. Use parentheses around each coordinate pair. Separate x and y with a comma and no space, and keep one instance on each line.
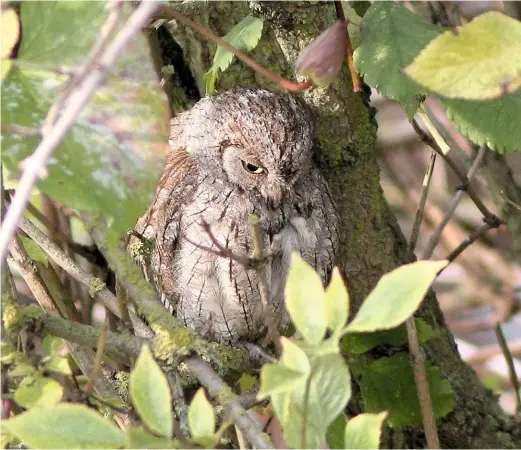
(35,165)
(286,84)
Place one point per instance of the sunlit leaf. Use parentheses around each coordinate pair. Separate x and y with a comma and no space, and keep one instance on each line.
(337,302)
(482,61)
(396,296)
(363,431)
(137,437)
(65,426)
(38,391)
(151,395)
(201,419)
(10,31)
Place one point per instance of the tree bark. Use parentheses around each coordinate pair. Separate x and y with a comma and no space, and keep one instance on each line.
(371,240)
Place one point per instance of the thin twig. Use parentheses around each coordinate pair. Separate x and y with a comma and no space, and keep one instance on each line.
(264,289)
(286,84)
(481,231)
(510,363)
(220,391)
(96,287)
(435,237)
(357,84)
(421,207)
(180,407)
(37,162)
(100,349)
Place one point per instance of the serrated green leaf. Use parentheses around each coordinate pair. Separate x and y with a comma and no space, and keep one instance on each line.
(493,123)
(358,343)
(391,37)
(482,61)
(305,300)
(363,431)
(243,36)
(38,391)
(388,384)
(337,302)
(10,31)
(137,437)
(201,419)
(151,395)
(34,251)
(329,392)
(60,365)
(65,426)
(396,296)
(117,148)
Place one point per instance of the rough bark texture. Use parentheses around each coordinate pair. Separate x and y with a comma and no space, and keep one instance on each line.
(371,241)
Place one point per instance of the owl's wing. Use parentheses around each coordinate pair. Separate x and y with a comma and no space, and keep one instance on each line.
(160,225)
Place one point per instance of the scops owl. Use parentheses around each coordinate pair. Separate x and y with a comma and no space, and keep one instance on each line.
(247,151)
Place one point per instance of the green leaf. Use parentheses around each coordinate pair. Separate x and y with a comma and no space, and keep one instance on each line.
(111,159)
(276,378)
(305,300)
(21,370)
(493,123)
(329,391)
(335,433)
(243,36)
(391,37)
(151,395)
(337,302)
(60,365)
(201,419)
(54,346)
(34,250)
(10,31)
(65,426)
(363,431)
(482,61)
(293,356)
(388,384)
(247,382)
(137,437)
(358,343)
(38,391)
(396,296)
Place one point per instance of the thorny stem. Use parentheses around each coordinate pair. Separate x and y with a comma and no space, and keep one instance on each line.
(510,363)
(357,84)
(35,165)
(286,84)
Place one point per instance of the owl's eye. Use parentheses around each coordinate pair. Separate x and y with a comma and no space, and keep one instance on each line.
(252,168)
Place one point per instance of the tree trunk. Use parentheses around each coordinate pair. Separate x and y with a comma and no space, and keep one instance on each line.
(371,241)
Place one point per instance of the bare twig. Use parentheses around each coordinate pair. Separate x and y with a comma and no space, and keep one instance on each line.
(419,213)
(357,84)
(36,163)
(100,348)
(96,287)
(219,390)
(286,84)
(180,407)
(435,237)
(264,289)
(485,353)
(510,363)
(481,231)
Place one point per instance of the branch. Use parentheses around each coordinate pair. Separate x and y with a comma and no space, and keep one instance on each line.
(435,237)
(221,391)
(78,99)
(510,363)
(357,84)
(96,287)
(481,231)
(286,84)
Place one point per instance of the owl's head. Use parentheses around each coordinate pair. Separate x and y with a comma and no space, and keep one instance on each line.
(256,140)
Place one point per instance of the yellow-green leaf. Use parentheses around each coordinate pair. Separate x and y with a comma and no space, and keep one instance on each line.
(201,419)
(337,302)
(57,364)
(34,251)
(363,431)
(65,426)
(481,61)
(151,395)
(38,391)
(10,31)
(137,437)
(305,300)
(396,296)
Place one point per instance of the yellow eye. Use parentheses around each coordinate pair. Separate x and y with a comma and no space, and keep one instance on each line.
(252,168)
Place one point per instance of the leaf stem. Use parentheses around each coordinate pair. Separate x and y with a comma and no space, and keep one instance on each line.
(286,84)
(357,84)
(510,363)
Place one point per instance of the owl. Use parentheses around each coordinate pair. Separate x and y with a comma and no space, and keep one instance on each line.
(245,152)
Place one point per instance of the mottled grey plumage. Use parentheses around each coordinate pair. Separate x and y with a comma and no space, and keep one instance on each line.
(217,147)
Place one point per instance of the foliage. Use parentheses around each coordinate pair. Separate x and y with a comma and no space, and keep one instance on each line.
(244,36)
